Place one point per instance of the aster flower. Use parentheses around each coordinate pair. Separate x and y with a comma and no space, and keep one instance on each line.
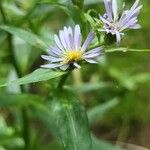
(115,23)
(69,51)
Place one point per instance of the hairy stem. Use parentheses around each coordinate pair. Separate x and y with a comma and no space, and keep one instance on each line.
(62,81)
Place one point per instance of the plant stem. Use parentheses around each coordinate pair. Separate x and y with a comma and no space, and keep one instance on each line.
(79,3)
(26,128)
(3,13)
(28,14)
(62,81)
(26,133)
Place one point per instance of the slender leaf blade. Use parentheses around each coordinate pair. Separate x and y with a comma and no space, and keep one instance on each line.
(36,76)
(97,112)
(28,37)
(18,100)
(103,145)
(88,87)
(74,130)
(66,118)
(89,2)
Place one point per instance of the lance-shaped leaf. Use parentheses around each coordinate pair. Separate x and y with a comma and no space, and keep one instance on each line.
(71,122)
(103,145)
(97,112)
(92,2)
(18,100)
(75,13)
(66,118)
(36,76)
(78,3)
(28,37)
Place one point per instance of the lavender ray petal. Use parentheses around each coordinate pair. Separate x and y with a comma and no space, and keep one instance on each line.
(115,9)
(106,21)
(129,23)
(118,37)
(91,61)
(48,58)
(62,38)
(102,30)
(132,9)
(95,50)
(77,37)
(135,5)
(58,43)
(130,14)
(76,65)
(51,66)
(92,55)
(136,26)
(88,40)
(108,8)
(66,35)
(64,67)
(52,59)
(54,51)
(71,38)
(124,14)
(70,31)
(71,42)
(136,12)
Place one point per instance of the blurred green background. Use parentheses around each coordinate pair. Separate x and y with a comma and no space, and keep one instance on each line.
(124,76)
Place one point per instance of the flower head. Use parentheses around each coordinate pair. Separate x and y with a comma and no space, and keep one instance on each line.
(115,23)
(68,49)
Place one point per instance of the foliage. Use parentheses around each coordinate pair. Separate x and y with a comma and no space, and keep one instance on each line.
(37,112)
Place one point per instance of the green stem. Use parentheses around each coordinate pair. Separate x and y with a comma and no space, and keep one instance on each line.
(62,81)
(28,14)
(3,13)
(79,3)
(25,131)
(26,128)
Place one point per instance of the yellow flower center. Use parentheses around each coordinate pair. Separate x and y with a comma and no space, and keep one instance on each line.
(73,56)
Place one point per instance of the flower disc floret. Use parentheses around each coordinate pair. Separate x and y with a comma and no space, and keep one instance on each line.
(72,56)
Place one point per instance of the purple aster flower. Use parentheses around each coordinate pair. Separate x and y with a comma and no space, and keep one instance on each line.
(68,50)
(115,23)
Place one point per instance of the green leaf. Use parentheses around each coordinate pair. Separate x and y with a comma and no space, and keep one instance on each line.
(123,79)
(120,4)
(4,129)
(28,37)
(13,10)
(103,145)
(22,52)
(97,112)
(8,139)
(66,117)
(61,6)
(87,87)
(18,100)
(74,131)
(142,77)
(79,3)
(36,76)
(91,2)
(74,12)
